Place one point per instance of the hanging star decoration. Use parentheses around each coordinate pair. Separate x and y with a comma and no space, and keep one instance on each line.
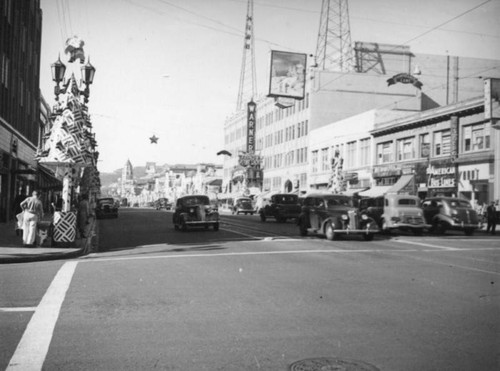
(154,139)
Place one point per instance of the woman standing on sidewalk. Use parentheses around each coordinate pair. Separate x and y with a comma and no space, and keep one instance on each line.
(33,212)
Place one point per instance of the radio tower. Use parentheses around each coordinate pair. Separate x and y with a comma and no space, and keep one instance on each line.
(334,49)
(248,82)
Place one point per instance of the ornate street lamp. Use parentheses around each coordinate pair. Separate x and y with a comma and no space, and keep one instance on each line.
(88,72)
(58,69)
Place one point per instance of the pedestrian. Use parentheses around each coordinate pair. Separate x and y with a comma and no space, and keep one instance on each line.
(17,209)
(491,215)
(33,213)
(83,215)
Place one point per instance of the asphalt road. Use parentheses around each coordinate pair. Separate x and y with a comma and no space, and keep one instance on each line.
(254,296)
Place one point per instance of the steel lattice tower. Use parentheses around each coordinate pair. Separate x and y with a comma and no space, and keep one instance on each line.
(334,49)
(248,81)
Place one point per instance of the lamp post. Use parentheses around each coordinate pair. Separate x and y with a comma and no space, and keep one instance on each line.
(58,70)
(88,72)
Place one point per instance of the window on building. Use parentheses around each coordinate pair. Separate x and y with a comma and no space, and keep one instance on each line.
(350,160)
(406,149)
(425,145)
(306,124)
(315,161)
(385,152)
(476,137)
(442,143)
(364,152)
(324,159)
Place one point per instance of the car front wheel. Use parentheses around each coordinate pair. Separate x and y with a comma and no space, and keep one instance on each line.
(216,226)
(330,232)
(368,236)
(262,217)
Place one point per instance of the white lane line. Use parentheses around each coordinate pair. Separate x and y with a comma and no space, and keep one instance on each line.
(18,309)
(34,345)
(427,245)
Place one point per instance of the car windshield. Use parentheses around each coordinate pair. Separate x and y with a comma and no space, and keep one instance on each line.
(338,201)
(244,201)
(286,199)
(407,202)
(460,203)
(106,201)
(191,201)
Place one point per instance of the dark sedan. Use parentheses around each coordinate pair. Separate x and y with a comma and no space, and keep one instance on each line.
(106,208)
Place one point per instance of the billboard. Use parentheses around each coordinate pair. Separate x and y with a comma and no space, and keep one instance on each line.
(288,74)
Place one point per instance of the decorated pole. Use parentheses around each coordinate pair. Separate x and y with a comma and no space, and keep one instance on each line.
(69,146)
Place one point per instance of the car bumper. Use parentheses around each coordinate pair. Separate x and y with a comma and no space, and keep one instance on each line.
(456,225)
(410,226)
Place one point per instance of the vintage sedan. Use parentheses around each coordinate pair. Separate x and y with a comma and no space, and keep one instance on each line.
(243,205)
(281,206)
(106,208)
(449,213)
(333,215)
(395,211)
(195,211)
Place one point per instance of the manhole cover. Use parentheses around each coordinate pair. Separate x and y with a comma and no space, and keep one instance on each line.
(331,364)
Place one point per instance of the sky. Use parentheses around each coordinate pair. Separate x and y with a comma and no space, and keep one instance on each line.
(171,68)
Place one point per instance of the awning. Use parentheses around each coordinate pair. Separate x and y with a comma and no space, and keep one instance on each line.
(47,180)
(405,184)
(352,191)
(375,191)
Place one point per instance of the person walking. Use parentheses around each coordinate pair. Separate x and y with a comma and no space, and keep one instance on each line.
(491,215)
(83,215)
(17,209)
(33,213)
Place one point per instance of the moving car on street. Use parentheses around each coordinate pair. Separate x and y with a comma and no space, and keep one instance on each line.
(162,203)
(395,211)
(281,206)
(106,208)
(448,213)
(195,211)
(243,205)
(333,215)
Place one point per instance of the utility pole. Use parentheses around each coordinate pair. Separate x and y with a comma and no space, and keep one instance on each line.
(334,50)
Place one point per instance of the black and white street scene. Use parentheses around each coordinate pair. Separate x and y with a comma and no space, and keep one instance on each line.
(297,185)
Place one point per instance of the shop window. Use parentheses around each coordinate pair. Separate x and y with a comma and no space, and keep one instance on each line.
(351,154)
(324,159)
(425,145)
(315,161)
(442,143)
(406,149)
(364,149)
(385,152)
(476,138)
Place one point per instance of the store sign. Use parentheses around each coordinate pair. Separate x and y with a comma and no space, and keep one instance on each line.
(251,113)
(441,177)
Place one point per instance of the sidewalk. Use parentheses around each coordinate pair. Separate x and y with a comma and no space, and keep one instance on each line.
(12,250)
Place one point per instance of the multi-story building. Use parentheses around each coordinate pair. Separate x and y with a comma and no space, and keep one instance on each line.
(388,77)
(20,43)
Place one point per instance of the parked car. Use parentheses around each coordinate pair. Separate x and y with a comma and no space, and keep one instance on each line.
(243,205)
(281,206)
(395,211)
(195,211)
(162,203)
(448,213)
(333,215)
(106,208)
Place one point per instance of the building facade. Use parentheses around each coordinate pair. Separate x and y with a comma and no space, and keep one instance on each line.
(20,43)
(387,77)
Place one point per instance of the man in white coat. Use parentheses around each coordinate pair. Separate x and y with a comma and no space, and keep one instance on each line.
(33,212)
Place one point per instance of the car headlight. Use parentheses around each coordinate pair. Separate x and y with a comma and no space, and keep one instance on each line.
(344,217)
(364,217)
(191,210)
